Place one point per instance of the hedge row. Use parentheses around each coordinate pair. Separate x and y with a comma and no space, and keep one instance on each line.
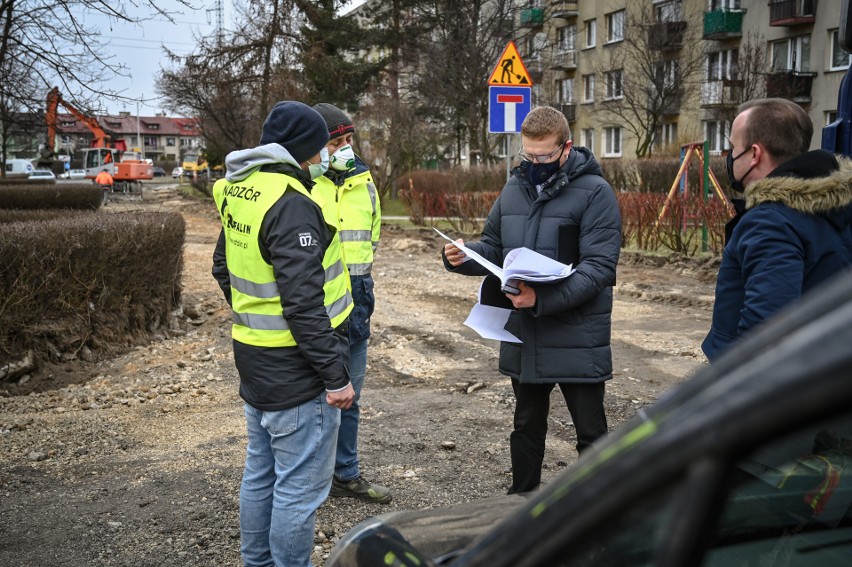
(40,195)
(86,279)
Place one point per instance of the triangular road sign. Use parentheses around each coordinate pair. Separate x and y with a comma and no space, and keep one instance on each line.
(510,70)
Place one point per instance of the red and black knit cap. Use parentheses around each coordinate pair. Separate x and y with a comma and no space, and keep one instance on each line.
(337,120)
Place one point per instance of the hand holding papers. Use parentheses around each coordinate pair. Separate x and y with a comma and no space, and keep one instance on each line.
(520,264)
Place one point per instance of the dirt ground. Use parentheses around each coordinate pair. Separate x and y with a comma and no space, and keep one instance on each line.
(136,460)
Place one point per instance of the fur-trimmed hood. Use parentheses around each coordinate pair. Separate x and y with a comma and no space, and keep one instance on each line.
(828,195)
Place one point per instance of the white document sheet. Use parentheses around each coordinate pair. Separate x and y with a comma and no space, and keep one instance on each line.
(488,321)
(520,264)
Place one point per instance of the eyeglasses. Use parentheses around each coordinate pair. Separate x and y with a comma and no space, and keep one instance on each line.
(540,158)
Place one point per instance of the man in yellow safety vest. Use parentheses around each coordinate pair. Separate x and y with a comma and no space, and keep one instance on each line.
(351,204)
(280,267)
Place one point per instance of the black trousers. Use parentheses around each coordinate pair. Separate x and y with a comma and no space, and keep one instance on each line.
(532,405)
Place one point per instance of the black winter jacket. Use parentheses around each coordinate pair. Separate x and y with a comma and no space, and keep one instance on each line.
(575,220)
(273,379)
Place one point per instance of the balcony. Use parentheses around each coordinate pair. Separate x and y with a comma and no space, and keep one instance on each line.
(532,17)
(723,24)
(570,111)
(666,36)
(725,93)
(564,9)
(535,69)
(791,13)
(671,106)
(792,85)
(564,60)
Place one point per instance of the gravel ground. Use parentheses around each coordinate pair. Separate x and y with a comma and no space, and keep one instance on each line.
(136,460)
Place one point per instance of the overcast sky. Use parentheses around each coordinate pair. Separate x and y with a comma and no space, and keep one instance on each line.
(140,47)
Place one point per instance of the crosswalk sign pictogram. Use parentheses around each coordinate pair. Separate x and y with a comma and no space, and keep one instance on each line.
(510,70)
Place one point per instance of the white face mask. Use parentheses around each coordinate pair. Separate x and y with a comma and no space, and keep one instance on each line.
(344,158)
(318,169)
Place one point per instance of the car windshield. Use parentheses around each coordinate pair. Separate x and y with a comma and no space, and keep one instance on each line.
(788,503)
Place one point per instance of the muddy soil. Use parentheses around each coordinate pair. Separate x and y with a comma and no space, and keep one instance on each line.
(136,460)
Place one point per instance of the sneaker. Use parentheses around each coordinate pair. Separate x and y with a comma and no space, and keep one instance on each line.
(361,489)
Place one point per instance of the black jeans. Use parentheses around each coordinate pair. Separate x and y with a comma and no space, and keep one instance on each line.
(532,405)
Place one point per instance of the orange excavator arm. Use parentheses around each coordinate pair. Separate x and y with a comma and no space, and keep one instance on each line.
(54,99)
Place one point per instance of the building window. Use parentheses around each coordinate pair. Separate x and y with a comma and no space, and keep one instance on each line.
(588,88)
(612,142)
(152,126)
(565,91)
(716,133)
(666,134)
(840,58)
(170,141)
(669,11)
(830,116)
(589,138)
(666,74)
(151,142)
(566,38)
(722,65)
(613,85)
(793,54)
(591,32)
(724,5)
(615,26)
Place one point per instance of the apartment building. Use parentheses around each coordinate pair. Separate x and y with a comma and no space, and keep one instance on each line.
(160,138)
(639,77)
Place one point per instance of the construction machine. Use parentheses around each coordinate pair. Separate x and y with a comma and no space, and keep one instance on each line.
(195,164)
(127,167)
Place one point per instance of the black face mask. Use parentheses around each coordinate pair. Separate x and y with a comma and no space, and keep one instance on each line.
(538,173)
(736,184)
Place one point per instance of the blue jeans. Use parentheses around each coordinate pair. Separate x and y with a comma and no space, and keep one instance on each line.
(346,466)
(287,476)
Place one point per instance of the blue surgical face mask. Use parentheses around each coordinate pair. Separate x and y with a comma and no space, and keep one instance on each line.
(343,159)
(318,169)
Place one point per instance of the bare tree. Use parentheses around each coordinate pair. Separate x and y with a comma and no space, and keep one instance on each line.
(229,83)
(748,77)
(48,42)
(464,45)
(646,75)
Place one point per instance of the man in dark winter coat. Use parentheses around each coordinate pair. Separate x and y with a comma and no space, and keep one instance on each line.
(280,267)
(795,230)
(555,203)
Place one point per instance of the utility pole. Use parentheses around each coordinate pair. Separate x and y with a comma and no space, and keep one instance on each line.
(219,15)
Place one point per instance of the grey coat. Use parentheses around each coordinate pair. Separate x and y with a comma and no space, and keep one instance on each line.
(575,219)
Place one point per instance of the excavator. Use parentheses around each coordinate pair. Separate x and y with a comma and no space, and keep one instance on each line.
(127,167)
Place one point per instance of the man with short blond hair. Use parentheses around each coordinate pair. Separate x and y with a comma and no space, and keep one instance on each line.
(555,203)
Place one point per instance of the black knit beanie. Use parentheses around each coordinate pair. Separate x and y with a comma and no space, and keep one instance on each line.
(297,127)
(337,121)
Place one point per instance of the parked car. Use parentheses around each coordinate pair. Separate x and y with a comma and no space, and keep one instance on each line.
(74,174)
(42,174)
(747,463)
(159,172)
(177,172)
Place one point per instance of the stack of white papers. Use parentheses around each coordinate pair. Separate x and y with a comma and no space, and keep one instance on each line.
(519,264)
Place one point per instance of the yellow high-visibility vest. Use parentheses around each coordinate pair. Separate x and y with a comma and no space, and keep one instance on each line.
(355,210)
(258,317)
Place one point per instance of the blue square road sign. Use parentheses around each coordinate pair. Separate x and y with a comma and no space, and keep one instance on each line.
(507,108)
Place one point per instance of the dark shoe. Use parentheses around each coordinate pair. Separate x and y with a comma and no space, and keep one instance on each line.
(361,489)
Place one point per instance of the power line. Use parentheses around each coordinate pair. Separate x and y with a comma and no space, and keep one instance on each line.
(148,40)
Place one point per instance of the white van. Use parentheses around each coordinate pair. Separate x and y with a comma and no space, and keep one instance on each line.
(18,167)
